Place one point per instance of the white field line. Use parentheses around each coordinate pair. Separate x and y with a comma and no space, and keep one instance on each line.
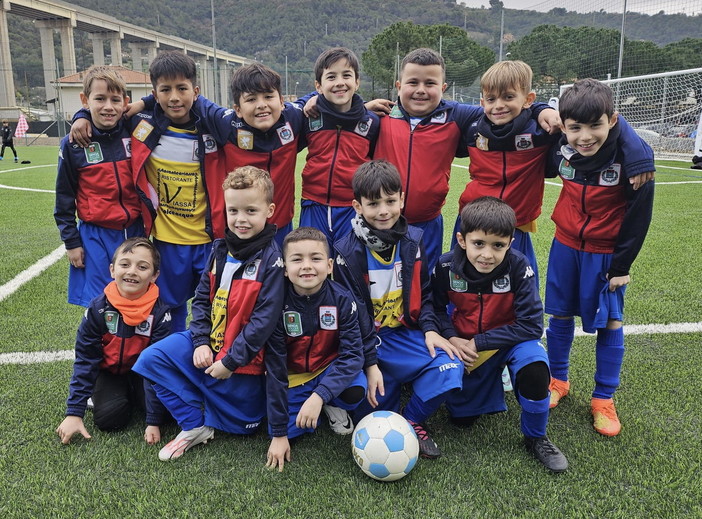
(31,272)
(3,186)
(40,357)
(23,168)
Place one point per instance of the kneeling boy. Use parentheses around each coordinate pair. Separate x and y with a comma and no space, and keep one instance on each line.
(497,320)
(116,327)
(212,376)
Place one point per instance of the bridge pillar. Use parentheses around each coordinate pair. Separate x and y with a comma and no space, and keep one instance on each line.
(7,82)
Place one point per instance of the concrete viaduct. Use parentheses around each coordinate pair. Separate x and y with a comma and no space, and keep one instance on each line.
(51,16)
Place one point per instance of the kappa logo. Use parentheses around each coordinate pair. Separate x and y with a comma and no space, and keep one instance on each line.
(529,272)
(340,261)
(523,141)
(167,318)
(127,145)
(210,144)
(327,317)
(279,262)
(285,134)
(353,307)
(501,285)
(142,131)
(227,112)
(610,176)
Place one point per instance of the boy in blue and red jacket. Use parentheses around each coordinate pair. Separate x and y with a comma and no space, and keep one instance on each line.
(117,326)
(339,137)
(382,262)
(213,376)
(602,216)
(496,319)
(96,183)
(319,328)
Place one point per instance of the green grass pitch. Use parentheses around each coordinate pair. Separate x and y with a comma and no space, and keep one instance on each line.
(651,470)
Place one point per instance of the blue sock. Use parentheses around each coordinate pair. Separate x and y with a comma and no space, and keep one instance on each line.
(178,316)
(188,416)
(609,354)
(559,339)
(417,410)
(534,416)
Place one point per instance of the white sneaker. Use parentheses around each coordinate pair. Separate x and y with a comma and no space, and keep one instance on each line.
(506,381)
(185,441)
(339,420)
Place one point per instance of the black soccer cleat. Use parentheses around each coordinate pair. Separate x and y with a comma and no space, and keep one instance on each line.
(547,453)
(427,447)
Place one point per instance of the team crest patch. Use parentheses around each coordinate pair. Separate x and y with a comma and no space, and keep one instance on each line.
(398,274)
(610,176)
(144,328)
(327,318)
(111,321)
(363,127)
(316,123)
(481,142)
(566,170)
(210,143)
(244,139)
(127,144)
(251,270)
(501,285)
(396,113)
(293,323)
(523,141)
(439,118)
(93,153)
(457,283)
(142,131)
(285,134)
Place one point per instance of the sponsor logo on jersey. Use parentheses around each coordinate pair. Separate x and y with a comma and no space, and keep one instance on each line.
(327,318)
(293,323)
(93,153)
(316,123)
(457,283)
(111,321)
(566,171)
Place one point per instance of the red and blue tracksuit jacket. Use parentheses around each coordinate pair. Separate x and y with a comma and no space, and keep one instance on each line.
(508,163)
(253,308)
(599,211)
(500,311)
(351,270)
(337,143)
(316,330)
(146,130)
(274,151)
(97,184)
(98,348)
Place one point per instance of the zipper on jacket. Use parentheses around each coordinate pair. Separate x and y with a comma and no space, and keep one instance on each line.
(121,354)
(480,312)
(311,343)
(409,167)
(587,220)
(119,191)
(333,162)
(504,175)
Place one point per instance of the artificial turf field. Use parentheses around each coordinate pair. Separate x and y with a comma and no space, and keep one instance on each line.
(652,469)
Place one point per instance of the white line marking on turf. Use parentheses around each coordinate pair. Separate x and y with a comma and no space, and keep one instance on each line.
(29,167)
(3,186)
(38,357)
(30,273)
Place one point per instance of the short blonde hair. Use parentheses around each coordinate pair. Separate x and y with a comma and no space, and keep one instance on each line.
(504,75)
(115,82)
(250,176)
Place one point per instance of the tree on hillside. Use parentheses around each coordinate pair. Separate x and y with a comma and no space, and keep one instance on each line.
(465,59)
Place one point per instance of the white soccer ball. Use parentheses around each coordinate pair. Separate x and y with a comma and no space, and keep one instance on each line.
(385,446)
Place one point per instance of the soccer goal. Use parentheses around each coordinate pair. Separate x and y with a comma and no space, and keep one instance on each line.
(663,108)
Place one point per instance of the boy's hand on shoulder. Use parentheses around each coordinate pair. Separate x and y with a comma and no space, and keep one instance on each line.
(135,108)
(152,434)
(310,109)
(81,133)
(202,357)
(639,180)
(467,351)
(76,257)
(218,371)
(433,340)
(375,384)
(618,281)
(309,412)
(380,107)
(71,426)
(550,121)
(278,453)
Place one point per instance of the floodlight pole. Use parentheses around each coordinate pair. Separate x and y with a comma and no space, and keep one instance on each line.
(502,29)
(215,73)
(621,43)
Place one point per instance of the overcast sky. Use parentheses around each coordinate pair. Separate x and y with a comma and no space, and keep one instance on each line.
(689,7)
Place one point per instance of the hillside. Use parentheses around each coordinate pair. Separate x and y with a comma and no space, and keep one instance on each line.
(301,29)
